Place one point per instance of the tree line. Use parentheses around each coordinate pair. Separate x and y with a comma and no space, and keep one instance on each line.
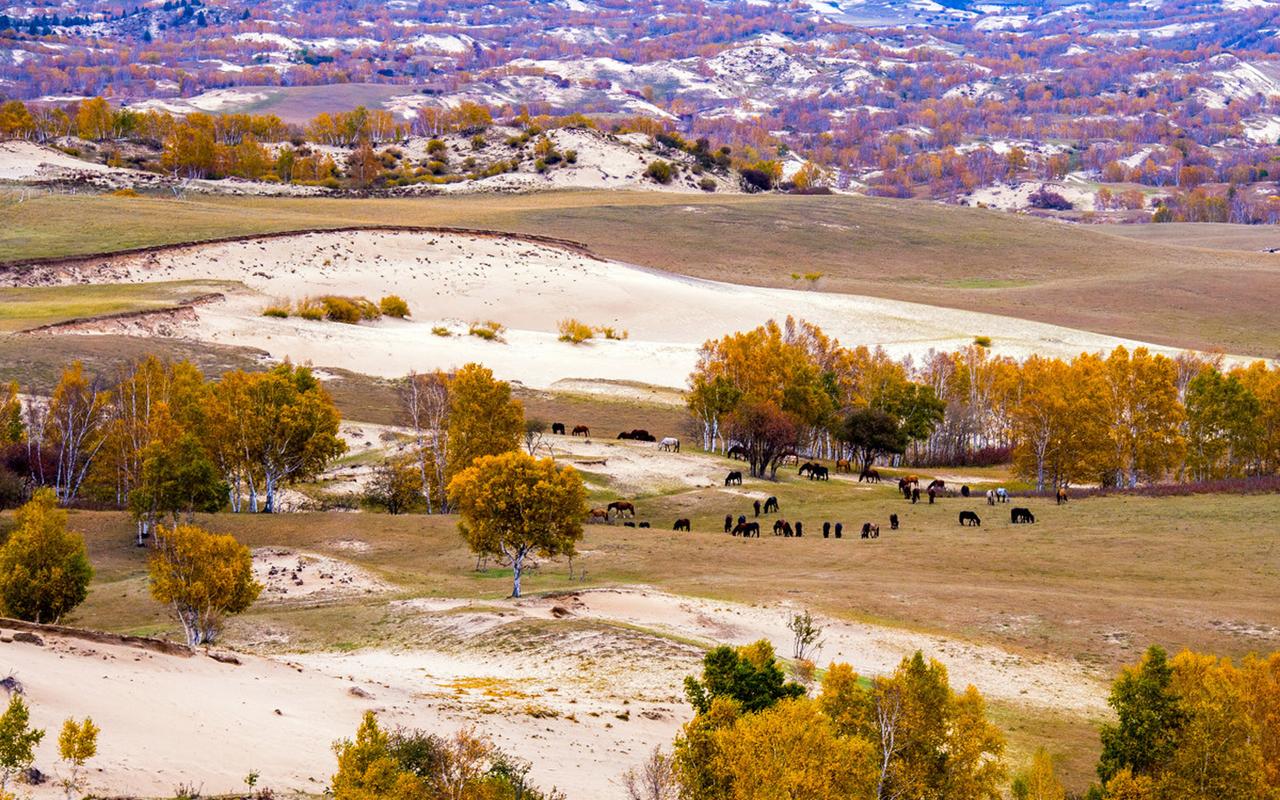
(1115,419)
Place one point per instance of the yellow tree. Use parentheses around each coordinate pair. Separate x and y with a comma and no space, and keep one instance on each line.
(69,431)
(1039,781)
(44,568)
(1143,415)
(367,769)
(483,419)
(12,430)
(203,576)
(77,743)
(96,120)
(513,506)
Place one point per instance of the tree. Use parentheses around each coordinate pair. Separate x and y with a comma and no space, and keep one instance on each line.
(96,120)
(395,486)
(177,477)
(1143,415)
(513,506)
(654,779)
(425,405)
(483,418)
(204,577)
(872,433)
(535,436)
(750,676)
(1143,737)
(77,743)
(69,431)
(367,770)
(18,740)
(1223,425)
(44,569)
(1039,781)
(12,430)
(766,432)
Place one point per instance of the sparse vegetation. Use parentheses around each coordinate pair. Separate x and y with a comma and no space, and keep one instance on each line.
(982,341)
(277,311)
(659,171)
(441,330)
(489,330)
(574,331)
(393,306)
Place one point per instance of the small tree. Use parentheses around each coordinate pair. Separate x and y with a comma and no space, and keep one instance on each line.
(513,505)
(396,486)
(77,743)
(203,576)
(808,636)
(872,433)
(654,779)
(44,569)
(534,436)
(18,740)
(177,477)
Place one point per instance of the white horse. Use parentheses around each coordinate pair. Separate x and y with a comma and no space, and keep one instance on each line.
(1002,494)
(670,443)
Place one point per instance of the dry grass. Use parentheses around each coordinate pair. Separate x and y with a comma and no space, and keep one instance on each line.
(1078,276)
(31,307)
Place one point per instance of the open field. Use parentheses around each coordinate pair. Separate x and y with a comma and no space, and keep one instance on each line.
(972,259)
(25,308)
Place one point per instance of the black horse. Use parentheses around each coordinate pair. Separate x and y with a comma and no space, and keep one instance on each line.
(1021,515)
(771,505)
(733,479)
(970,518)
(557,427)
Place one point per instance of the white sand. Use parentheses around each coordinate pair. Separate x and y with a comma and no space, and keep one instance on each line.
(453,280)
(24,161)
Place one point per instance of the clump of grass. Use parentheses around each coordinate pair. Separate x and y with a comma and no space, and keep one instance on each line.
(612,333)
(539,711)
(277,310)
(348,310)
(309,308)
(393,306)
(574,331)
(488,330)
(982,341)
(125,192)
(440,330)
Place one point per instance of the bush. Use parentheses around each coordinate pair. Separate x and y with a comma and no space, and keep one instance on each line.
(348,310)
(310,309)
(44,568)
(478,142)
(659,171)
(126,192)
(571,156)
(436,146)
(440,330)
(982,341)
(1046,199)
(707,184)
(611,333)
(394,306)
(489,330)
(572,330)
(756,180)
(277,310)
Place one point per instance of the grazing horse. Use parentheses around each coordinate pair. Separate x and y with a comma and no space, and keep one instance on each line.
(991,497)
(915,495)
(870,530)
(839,529)
(638,435)
(771,505)
(799,529)
(644,524)
(622,506)
(1002,494)
(682,524)
(783,528)
(557,427)
(806,467)
(869,475)
(747,530)
(893,522)
(628,524)
(597,515)
(826,530)
(964,490)
(937,484)
(844,465)
(970,518)
(737,453)
(933,493)
(756,506)
(671,444)
(1021,515)
(581,430)
(733,479)
(1062,495)
(728,522)
(819,473)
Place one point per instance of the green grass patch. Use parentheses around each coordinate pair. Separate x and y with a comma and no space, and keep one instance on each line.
(24,308)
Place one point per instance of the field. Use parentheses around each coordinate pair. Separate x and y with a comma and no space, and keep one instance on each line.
(22,309)
(1076,276)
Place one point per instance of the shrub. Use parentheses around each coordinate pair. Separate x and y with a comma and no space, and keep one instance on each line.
(982,341)
(611,333)
(276,310)
(440,330)
(126,192)
(1047,199)
(394,306)
(310,309)
(489,330)
(756,180)
(707,184)
(436,146)
(44,568)
(478,142)
(571,156)
(659,171)
(348,310)
(572,330)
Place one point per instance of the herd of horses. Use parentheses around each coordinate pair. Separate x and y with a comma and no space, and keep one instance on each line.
(669,444)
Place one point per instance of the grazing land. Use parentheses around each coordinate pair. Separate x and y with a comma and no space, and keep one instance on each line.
(1182,296)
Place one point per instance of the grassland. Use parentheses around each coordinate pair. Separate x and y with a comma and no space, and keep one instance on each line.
(1079,276)
(25,308)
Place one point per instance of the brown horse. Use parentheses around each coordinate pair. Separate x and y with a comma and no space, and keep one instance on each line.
(1062,495)
(844,465)
(683,524)
(622,506)
(581,430)
(598,515)
(869,475)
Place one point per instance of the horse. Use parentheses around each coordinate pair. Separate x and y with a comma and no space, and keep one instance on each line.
(869,475)
(844,465)
(839,529)
(782,528)
(747,530)
(628,524)
(682,524)
(915,495)
(581,430)
(870,530)
(670,444)
(597,515)
(638,435)
(933,493)
(937,484)
(728,522)
(806,467)
(1002,494)
(737,453)
(733,479)
(819,473)
(964,490)
(1021,515)
(893,522)
(1062,495)
(622,506)
(771,505)
(624,435)
(826,530)
(991,497)
(644,524)
(557,427)
(799,529)
(970,518)
(756,505)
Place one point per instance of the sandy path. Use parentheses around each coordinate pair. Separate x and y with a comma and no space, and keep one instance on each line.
(452,280)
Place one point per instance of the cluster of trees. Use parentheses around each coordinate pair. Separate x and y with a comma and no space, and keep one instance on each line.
(1116,419)
(77,743)
(163,441)
(415,765)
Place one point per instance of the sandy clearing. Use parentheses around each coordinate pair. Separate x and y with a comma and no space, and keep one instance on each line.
(290,576)
(453,280)
(24,161)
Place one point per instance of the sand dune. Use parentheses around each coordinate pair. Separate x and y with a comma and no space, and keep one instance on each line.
(453,280)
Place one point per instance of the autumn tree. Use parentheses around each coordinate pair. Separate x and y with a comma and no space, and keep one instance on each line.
(395,486)
(513,506)
(653,779)
(177,478)
(44,568)
(77,743)
(1223,425)
(1039,781)
(483,419)
(12,429)
(18,740)
(425,404)
(203,576)
(66,433)
(1143,415)
(872,433)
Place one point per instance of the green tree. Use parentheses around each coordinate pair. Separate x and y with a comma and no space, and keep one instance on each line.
(203,576)
(513,506)
(872,433)
(44,569)
(749,675)
(1144,735)
(1222,425)
(177,477)
(18,740)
